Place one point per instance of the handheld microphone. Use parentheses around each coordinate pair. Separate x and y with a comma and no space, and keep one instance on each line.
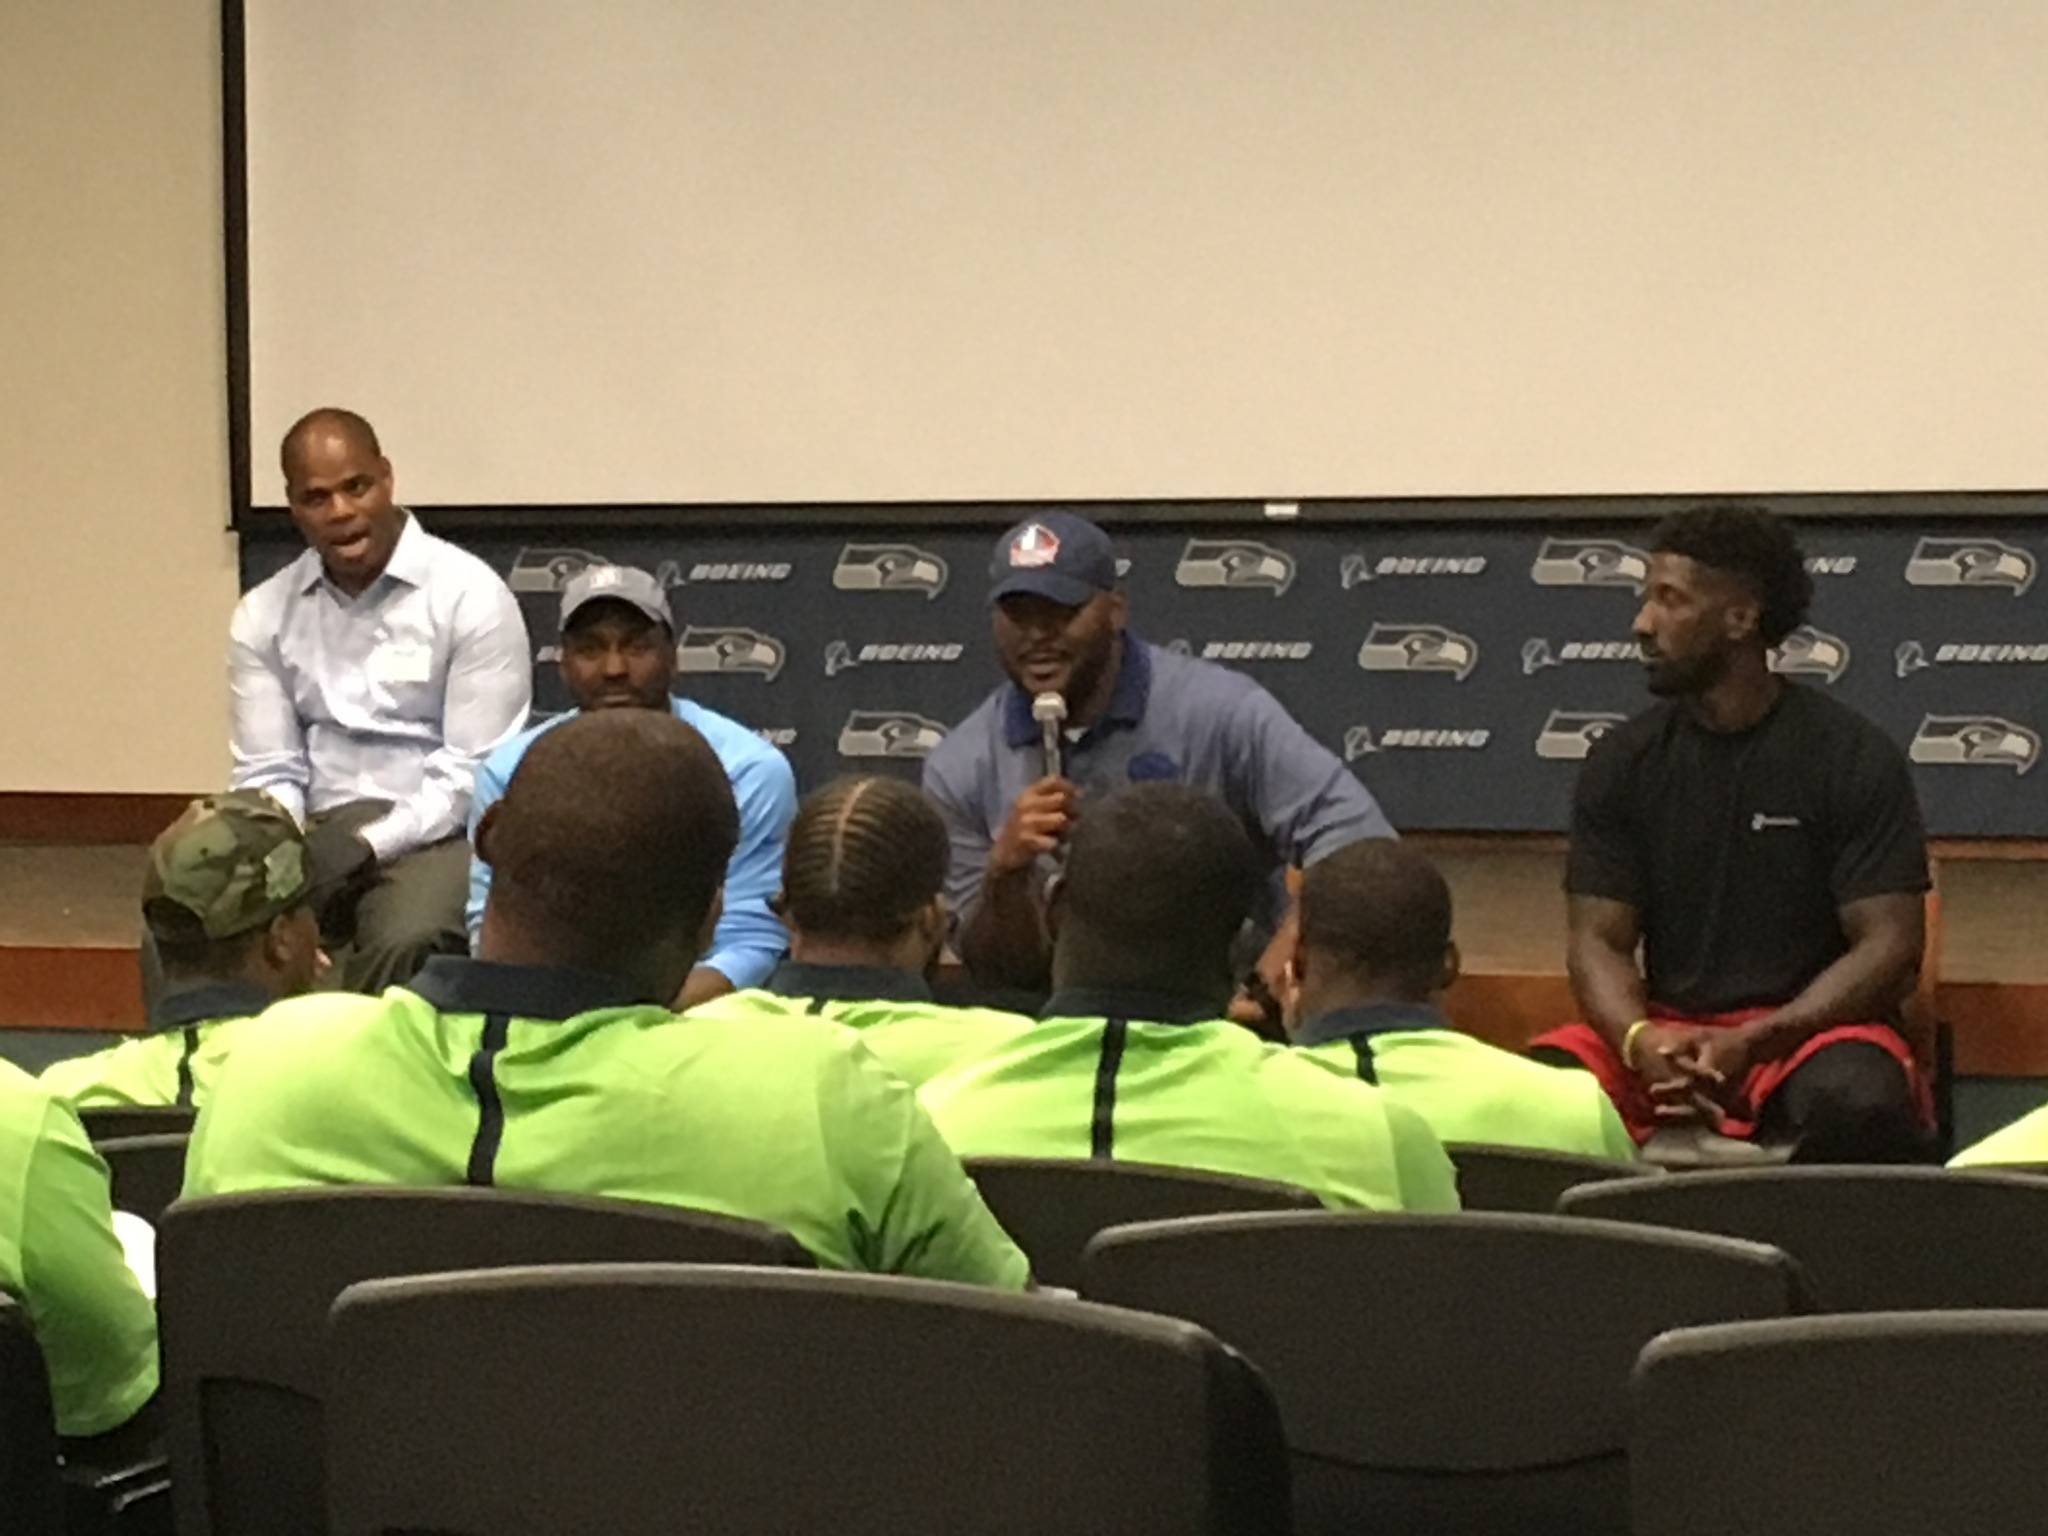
(1050,711)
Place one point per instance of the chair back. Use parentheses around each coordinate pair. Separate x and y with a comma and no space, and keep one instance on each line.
(1052,1206)
(31,1494)
(1442,1374)
(1873,1424)
(750,1402)
(137,1120)
(1492,1178)
(147,1171)
(245,1282)
(1872,1239)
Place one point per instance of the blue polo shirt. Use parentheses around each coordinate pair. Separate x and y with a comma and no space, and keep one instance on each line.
(750,938)
(1170,717)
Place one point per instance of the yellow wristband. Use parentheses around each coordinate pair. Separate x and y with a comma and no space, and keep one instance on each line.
(1628,1043)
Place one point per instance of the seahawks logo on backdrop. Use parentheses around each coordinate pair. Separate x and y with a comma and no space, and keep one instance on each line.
(1568,735)
(549,570)
(890,568)
(1418,648)
(1972,741)
(1590,563)
(888,733)
(1970,563)
(729,649)
(1810,652)
(1236,565)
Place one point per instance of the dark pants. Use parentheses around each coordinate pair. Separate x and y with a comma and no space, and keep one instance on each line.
(381,930)
(1848,1103)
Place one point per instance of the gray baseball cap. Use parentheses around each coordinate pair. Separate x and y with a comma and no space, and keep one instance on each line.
(620,584)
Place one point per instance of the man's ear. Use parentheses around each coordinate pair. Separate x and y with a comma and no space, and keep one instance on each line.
(1454,964)
(487,831)
(709,927)
(1119,610)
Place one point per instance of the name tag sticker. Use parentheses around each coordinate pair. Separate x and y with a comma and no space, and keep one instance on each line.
(402,661)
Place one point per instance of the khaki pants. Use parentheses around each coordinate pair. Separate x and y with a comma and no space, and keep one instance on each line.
(411,909)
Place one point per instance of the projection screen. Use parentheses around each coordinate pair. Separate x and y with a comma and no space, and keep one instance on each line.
(662,252)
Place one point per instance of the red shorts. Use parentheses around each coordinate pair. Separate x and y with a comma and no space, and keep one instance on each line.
(1632,1097)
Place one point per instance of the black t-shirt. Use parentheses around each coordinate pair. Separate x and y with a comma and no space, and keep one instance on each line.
(1737,848)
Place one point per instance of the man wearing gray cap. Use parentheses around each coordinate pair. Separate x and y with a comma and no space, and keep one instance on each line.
(618,651)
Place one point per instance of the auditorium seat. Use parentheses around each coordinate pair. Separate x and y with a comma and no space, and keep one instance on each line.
(126,1120)
(245,1283)
(1444,1374)
(117,1484)
(30,1492)
(148,1172)
(1872,1239)
(1492,1178)
(1052,1206)
(755,1402)
(1880,1424)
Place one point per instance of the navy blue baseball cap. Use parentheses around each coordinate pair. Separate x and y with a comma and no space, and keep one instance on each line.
(1056,555)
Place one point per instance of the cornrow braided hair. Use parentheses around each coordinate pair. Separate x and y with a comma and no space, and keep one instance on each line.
(864,856)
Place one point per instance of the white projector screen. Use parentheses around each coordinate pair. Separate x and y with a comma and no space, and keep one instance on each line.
(680,251)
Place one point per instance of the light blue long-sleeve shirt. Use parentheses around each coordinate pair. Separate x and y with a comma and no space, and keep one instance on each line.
(395,694)
(750,938)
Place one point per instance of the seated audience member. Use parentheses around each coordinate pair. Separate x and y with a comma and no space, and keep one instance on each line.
(552,1061)
(1762,843)
(861,892)
(1374,959)
(228,897)
(618,650)
(1133,713)
(1132,1058)
(60,1259)
(369,678)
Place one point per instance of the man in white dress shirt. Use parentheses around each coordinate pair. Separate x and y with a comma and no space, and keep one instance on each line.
(370,677)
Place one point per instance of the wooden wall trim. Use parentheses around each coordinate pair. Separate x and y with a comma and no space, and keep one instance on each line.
(82,820)
(72,987)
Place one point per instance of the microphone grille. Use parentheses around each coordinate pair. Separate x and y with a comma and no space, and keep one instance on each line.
(1048,706)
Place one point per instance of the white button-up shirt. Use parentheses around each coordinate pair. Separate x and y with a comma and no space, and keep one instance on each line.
(396,694)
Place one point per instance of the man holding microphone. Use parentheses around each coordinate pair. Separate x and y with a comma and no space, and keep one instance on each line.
(1087,708)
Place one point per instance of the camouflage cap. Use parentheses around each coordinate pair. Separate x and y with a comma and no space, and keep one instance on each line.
(230,863)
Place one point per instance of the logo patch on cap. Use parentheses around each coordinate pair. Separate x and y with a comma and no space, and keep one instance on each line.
(1036,546)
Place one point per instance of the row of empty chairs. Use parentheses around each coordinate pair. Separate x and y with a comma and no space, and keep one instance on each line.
(1427,1374)
(1433,1374)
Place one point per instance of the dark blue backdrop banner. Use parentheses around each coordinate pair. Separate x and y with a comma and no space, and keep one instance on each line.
(1460,670)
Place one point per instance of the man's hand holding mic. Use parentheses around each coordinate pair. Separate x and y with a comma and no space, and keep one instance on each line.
(1045,812)
(1039,823)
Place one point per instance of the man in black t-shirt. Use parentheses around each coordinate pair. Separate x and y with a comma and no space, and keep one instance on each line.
(1763,844)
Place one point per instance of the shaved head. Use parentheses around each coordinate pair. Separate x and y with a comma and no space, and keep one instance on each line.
(609,848)
(328,421)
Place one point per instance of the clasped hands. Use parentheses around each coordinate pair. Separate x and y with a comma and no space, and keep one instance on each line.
(1694,1072)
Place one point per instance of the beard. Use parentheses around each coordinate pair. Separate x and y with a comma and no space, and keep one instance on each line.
(1671,677)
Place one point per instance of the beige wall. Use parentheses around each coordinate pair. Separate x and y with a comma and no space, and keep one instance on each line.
(116,579)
